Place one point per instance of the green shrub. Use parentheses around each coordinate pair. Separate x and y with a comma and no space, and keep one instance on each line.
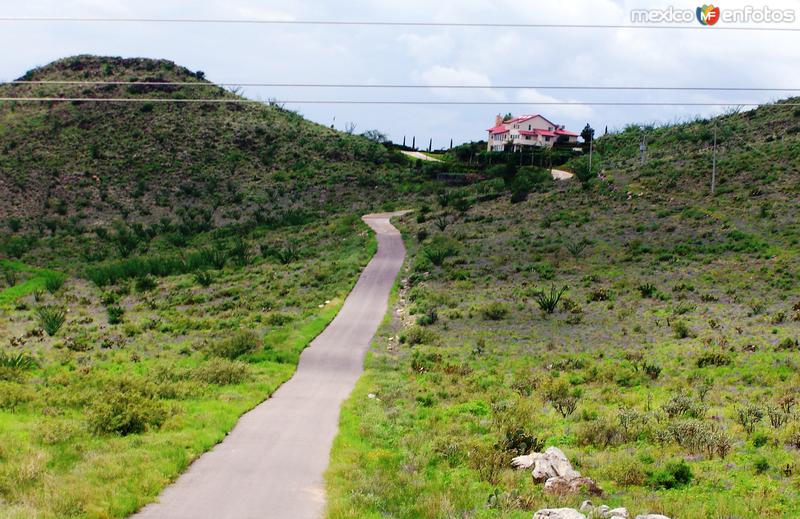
(562,396)
(17,361)
(647,290)
(437,252)
(548,300)
(126,406)
(54,282)
(674,475)
(681,330)
(431,316)
(13,395)
(761,465)
(714,358)
(222,371)
(51,318)
(115,314)
(494,311)
(284,254)
(417,335)
(241,343)
(204,278)
(145,283)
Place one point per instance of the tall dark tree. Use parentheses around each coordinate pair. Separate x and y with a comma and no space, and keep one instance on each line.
(587,135)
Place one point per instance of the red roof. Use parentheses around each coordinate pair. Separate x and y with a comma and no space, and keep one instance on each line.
(567,133)
(545,133)
(497,129)
(527,132)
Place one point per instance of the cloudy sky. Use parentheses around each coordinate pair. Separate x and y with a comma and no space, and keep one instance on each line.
(429,56)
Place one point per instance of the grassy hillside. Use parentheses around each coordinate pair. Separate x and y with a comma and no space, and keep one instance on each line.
(667,371)
(85,164)
(162,266)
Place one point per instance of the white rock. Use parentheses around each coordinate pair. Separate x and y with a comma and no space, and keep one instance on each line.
(558,513)
(586,506)
(550,463)
(652,516)
(621,513)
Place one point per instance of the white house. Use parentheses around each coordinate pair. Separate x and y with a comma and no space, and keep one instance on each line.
(527,130)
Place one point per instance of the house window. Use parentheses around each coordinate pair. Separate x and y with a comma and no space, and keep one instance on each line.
(529,127)
(547,139)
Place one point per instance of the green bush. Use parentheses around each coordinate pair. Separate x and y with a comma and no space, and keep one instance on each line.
(418,335)
(13,395)
(494,311)
(115,314)
(674,475)
(126,406)
(548,300)
(204,278)
(714,358)
(234,347)
(51,318)
(54,282)
(145,283)
(222,372)
(17,361)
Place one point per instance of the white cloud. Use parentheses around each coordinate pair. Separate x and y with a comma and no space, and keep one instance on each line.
(476,56)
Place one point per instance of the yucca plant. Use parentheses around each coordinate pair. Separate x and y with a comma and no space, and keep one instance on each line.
(548,300)
(576,248)
(647,290)
(18,361)
(54,282)
(204,278)
(51,318)
(115,313)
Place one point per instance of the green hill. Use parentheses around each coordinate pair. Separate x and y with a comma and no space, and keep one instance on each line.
(85,163)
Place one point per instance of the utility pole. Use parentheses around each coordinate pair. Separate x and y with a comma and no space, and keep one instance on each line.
(643,147)
(430,145)
(414,143)
(404,141)
(714,164)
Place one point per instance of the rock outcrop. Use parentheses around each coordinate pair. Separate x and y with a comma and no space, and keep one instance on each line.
(554,469)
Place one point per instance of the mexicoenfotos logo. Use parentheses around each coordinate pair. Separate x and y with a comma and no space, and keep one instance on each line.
(708,15)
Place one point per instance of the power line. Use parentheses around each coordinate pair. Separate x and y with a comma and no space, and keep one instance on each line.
(377,102)
(403,86)
(366,23)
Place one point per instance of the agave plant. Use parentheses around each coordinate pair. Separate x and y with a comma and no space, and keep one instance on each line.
(548,300)
(51,318)
(18,361)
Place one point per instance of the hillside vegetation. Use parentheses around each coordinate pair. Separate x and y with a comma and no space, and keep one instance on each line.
(645,327)
(72,164)
(162,266)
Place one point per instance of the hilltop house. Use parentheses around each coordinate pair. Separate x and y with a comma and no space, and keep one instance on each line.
(527,130)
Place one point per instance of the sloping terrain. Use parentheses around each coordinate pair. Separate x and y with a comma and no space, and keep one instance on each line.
(82,163)
(645,327)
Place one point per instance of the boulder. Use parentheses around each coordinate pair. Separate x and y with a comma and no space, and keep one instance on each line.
(621,513)
(602,511)
(652,516)
(550,463)
(558,513)
(562,486)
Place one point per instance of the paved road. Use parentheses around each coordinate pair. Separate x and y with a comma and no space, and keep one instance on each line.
(271,464)
(419,155)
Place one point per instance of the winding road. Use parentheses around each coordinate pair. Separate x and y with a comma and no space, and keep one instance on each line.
(271,465)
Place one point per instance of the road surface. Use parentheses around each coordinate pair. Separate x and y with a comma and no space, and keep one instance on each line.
(271,464)
(419,155)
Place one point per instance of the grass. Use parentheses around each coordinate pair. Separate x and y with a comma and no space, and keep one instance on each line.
(37,281)
(137,402)
(655,372)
